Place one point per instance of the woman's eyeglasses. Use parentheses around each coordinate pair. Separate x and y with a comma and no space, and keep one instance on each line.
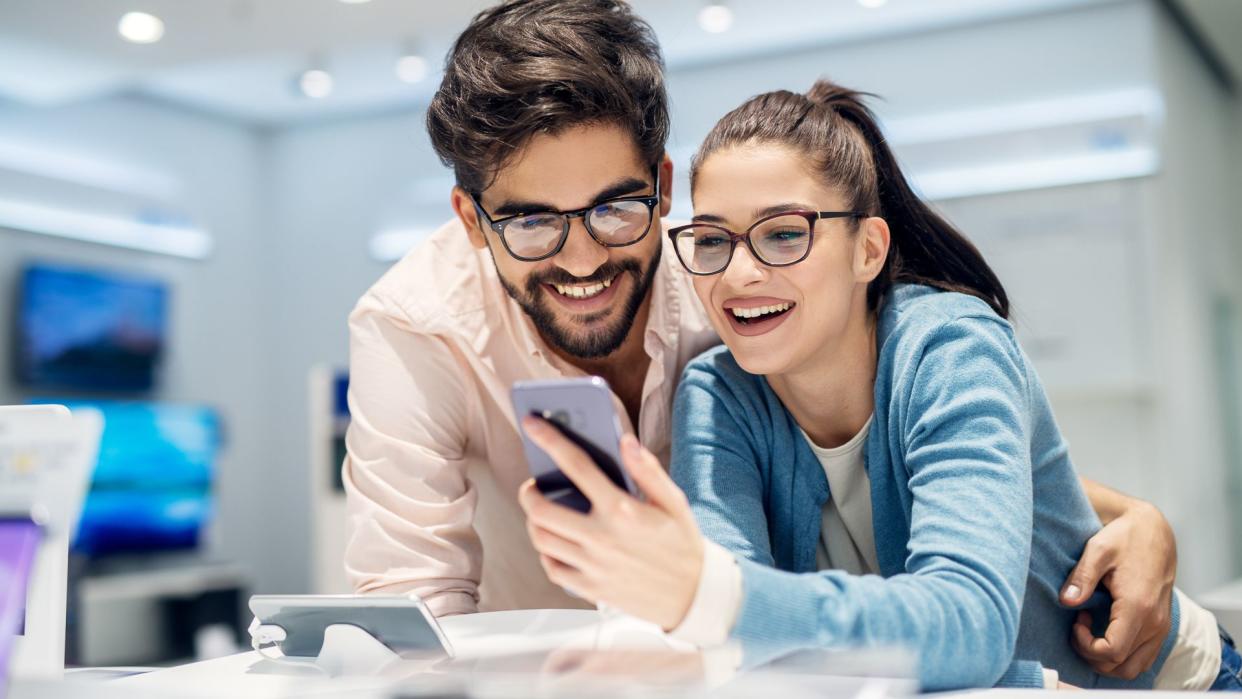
(778,240)
(613,223)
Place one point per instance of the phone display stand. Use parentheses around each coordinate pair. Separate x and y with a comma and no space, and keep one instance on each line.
(349,650)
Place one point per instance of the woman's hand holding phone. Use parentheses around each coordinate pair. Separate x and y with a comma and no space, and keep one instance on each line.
(642,557)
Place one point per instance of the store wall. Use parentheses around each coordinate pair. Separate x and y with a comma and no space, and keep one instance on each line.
(1195,258)
(221,308)
(334,186)
(992,63)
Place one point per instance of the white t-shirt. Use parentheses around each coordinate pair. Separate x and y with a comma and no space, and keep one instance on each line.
(847,534)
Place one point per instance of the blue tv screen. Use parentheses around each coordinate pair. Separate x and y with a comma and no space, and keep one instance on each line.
(89,330)
(151,488)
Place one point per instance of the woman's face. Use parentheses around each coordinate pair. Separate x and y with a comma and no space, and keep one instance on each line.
(808,307)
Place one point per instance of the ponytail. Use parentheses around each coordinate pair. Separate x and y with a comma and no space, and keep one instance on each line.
(839,134)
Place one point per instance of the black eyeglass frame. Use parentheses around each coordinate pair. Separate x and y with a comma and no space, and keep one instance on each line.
(810,216)
(499,225)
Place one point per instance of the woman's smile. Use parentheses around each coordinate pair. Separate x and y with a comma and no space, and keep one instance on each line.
(756,315)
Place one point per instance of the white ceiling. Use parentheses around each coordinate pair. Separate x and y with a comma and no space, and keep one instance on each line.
(240,57)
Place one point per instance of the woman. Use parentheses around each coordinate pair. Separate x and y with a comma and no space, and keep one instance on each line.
(872,459)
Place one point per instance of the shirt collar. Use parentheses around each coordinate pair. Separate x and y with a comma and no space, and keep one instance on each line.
(664,318)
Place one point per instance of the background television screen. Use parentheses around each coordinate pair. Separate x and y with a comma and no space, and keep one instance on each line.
(89,330)
(151,488)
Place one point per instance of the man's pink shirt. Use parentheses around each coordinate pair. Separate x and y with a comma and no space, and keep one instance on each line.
(434,459)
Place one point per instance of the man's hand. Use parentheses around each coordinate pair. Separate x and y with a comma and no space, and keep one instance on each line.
(1135,557)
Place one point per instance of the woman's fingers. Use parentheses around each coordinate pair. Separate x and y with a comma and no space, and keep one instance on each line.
(559,548)
(546,514)
(573,462)
(650,477)
(564,575)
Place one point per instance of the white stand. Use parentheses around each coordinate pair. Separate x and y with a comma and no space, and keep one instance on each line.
(46,458)
(348,650)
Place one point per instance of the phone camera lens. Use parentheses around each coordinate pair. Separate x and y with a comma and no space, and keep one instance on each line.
(560,417)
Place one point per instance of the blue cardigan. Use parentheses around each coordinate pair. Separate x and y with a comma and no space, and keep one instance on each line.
(978,513)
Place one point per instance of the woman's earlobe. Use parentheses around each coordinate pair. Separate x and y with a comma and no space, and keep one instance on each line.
(876,243)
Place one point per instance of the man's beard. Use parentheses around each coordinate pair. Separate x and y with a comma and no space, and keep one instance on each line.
(591,344)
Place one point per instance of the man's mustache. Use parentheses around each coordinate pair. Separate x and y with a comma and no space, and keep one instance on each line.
(560,276)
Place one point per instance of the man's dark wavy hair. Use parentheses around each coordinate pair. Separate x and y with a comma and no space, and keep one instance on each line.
(529,67)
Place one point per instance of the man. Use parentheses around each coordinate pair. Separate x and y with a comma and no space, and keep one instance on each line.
(554,117)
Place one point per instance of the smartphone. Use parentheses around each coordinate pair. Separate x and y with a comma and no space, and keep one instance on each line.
(401,622)
(582,409)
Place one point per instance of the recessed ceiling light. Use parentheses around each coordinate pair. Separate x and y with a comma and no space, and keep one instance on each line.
(140,28)
(411,68)
(872,4)
(355,2)
(316,83)
(715,18)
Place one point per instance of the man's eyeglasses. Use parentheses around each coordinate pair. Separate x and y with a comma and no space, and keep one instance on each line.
(613,223)
(778,240)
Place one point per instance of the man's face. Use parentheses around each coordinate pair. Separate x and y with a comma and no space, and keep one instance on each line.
(584,299)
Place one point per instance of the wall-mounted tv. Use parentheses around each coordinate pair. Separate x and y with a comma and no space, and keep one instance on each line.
(151,489)
(90,330)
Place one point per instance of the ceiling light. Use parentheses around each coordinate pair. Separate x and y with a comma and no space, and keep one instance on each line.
(140,28)
(715,17)
(182,240)
(316,83)
(872,4)
(411,68)
(355,2)
(1042,173)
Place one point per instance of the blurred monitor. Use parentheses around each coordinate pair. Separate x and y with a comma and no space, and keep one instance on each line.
(151,487)
(81,329)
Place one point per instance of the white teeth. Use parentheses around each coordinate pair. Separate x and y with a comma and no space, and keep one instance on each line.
(760,310)
(582,292)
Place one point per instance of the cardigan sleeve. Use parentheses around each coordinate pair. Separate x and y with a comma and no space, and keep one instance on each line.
(715,464)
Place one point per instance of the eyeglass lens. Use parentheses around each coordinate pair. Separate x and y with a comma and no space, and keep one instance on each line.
(776,241)
(611,223)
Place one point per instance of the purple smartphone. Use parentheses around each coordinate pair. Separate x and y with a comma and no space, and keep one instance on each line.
(582,409)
